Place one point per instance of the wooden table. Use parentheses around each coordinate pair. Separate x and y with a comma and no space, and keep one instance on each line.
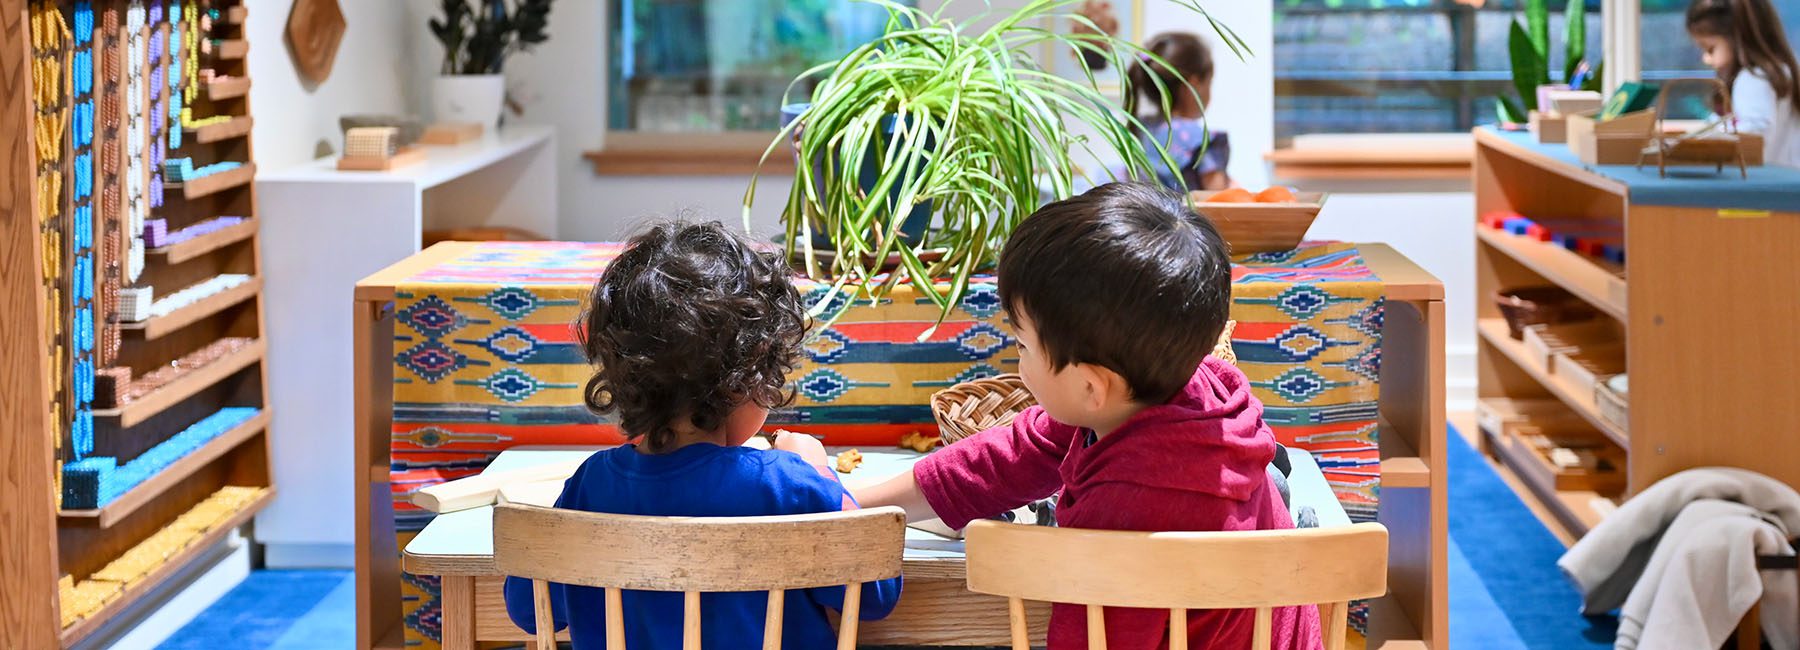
(1413,503)
(934,608)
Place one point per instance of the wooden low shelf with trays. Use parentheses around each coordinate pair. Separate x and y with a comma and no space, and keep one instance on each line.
(44,542)
(1708,348)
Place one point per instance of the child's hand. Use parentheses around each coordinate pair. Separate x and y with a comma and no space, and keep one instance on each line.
(808,447)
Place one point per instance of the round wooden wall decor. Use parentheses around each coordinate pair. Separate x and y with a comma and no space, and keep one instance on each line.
(315,28)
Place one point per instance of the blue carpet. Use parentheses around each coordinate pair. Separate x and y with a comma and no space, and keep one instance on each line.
(277,610)
(1505,589)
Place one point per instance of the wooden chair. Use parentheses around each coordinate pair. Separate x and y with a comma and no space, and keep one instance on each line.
(1179,571)
(694,555)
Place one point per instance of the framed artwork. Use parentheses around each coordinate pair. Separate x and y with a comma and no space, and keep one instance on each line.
(1066,63)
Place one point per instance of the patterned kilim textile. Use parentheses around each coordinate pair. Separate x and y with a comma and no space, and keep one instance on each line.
(486,359)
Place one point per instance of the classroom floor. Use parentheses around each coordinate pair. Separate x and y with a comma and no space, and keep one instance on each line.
(1505,590)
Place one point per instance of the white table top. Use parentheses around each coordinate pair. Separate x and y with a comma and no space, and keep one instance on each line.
(470,533)
(442,163)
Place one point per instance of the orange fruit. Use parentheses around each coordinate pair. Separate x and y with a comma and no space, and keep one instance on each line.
(1277,194)
(1233,195)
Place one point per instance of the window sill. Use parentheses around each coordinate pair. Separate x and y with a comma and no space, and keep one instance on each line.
(1375,157)
(689,154)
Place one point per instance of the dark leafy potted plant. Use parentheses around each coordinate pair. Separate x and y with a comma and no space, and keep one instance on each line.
(477,42)
(966,129)
(1528,47)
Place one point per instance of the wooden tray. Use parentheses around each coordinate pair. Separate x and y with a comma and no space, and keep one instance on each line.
(1264,227)
(1601,465)
(1546,340)
(1586,367)
(1502,417)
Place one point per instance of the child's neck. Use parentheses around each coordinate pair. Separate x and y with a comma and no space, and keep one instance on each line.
(688,438)
(1109,421)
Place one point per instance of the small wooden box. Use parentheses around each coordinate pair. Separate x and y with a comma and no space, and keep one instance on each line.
(406,156)
(1619,141)
(451,133)
(1547,340)
(1586,367)
(1550,128)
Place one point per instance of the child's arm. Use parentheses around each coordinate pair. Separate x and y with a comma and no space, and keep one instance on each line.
(519,606)
(983,475)
(1753,103)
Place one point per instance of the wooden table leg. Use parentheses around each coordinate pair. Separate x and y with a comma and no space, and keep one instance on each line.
(458,620)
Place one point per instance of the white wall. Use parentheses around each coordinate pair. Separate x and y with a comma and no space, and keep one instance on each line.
(371,75)
(307,524)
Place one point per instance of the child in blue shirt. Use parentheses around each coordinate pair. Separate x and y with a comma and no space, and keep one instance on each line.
(694,333)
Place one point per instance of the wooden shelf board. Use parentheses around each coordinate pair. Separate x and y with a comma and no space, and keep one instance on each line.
(1401,467)
(236,48)
(171,476)
(1401,279)
(207,243)
(80,630)
(214,183)
(237,127)
(1575,273)
(1494,332)
(189,385)
(231,88)
(1487,138)
(161,325)
(1573,508)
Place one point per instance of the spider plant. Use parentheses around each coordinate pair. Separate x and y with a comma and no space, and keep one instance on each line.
(967,121)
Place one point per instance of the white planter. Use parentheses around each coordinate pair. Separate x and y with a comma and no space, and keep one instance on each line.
(469,98)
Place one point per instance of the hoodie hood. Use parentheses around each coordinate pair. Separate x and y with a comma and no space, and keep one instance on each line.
(1209,438)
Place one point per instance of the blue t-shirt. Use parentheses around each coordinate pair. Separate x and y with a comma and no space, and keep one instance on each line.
(700,480)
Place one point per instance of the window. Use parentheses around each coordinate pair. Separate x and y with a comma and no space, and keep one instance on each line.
(698,66)
(1410,66)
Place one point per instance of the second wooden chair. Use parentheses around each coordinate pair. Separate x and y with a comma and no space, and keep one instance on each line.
(1179,571)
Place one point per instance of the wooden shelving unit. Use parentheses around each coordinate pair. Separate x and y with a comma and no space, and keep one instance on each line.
(237,127)
(207,243)
(1709,347)
(189,385)
(160,326)
(46,544)
(147,491)
(212,184)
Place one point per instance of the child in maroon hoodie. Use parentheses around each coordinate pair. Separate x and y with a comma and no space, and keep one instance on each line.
(1116,297)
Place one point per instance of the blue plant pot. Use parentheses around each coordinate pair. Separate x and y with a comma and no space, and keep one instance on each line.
(918,222)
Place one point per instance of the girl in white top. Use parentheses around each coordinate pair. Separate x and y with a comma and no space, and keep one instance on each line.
(1744,41)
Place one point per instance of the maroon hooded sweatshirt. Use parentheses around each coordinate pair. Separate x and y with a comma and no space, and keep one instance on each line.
(1195,463)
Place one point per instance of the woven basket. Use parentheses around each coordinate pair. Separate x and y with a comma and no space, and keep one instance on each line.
(1528,306)
(974,406)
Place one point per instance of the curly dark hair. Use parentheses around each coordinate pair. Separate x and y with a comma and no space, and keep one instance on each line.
(688,323)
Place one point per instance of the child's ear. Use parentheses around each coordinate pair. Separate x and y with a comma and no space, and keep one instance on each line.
(1102,388)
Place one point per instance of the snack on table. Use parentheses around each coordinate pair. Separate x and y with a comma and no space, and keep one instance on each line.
(847,460)
(919,442)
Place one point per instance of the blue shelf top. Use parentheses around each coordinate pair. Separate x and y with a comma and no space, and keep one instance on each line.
(1770,187)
